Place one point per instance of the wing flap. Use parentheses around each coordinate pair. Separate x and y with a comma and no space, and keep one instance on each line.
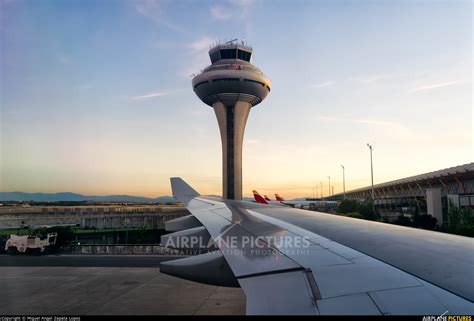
(279,294)
(209,268)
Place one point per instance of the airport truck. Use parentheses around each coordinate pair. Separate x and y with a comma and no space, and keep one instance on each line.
(30,244)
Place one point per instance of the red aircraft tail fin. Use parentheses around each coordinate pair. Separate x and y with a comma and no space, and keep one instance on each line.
(259,198)
(279,198)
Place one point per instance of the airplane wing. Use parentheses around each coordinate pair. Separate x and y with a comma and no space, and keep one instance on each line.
(289,261)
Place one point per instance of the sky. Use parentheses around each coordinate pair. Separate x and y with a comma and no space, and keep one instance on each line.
(96,96)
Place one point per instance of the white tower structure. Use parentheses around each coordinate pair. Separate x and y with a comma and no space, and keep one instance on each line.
(231,85)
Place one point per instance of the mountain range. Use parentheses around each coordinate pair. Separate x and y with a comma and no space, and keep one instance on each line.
(58,197)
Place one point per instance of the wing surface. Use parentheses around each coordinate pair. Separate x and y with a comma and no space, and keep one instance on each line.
(286,263)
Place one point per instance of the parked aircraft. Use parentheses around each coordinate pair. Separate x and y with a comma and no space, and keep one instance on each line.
(310,203)
(265,199)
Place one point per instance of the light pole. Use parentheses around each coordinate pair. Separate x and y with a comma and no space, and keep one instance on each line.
(316,188)
(313,192)
(126,231)
(321,189)
(343,181)
(329,187)
(371,170)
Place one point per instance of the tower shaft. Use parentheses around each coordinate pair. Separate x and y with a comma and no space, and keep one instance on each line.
(232,120)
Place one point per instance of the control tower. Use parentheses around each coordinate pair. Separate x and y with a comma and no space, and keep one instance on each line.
(231,85)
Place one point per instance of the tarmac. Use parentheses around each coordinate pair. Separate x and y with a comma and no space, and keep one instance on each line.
(92,285)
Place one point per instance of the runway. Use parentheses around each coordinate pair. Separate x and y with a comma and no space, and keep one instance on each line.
(95,285)
(82,260)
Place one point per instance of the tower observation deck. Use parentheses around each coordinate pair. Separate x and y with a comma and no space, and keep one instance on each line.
(231,85)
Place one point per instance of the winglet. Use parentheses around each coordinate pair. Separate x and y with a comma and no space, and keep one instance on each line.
(259,198)
(182,191)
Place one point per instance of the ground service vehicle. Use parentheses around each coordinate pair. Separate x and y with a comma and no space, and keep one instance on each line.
(30,244)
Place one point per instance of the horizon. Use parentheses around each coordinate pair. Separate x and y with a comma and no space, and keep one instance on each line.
(55,193)
(170,195)
(97,98)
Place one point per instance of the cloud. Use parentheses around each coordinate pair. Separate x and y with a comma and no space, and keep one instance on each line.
(154,9)
(243,3)
(197,57)
(394,127)
(148,96)
(202,44)
(149,8)
(373,78)
(231,9)
(323,84)
(435,86)
(218,12)
(251,141)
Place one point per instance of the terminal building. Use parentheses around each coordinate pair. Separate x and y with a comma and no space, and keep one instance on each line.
(430,193)
(90,216)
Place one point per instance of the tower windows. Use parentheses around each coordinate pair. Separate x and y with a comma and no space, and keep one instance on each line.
(255,81)
(228,53)
(215,56)
(201,83)
(243,55)
(226,79)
